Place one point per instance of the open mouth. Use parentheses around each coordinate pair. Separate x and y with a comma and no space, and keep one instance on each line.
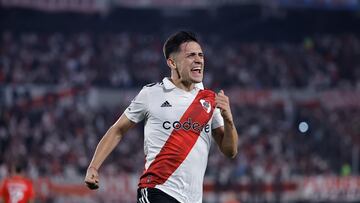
(196,70)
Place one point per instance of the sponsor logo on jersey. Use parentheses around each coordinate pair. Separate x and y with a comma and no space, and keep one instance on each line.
(166,104)
(187,125)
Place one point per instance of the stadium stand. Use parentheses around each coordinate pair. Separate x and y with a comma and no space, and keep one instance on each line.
(51,77)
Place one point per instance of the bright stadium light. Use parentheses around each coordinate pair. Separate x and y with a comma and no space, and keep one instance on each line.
(303,127)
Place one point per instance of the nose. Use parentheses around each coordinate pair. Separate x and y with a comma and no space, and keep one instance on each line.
(199,59)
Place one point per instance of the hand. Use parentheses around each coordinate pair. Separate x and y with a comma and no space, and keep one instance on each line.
(92,178)
(222,102)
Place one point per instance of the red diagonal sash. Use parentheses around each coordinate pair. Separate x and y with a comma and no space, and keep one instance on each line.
(180,141)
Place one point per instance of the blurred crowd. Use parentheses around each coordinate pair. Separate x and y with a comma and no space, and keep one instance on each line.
(133,60)
(58,139)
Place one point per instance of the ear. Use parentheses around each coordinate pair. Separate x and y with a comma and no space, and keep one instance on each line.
(171,63)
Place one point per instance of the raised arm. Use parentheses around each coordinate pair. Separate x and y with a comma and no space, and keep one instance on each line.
(106,145)
(226,137)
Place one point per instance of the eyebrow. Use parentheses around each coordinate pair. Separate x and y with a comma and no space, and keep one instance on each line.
(190,53)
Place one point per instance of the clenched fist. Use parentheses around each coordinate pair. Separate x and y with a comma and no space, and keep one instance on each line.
(92,178)
(222,102)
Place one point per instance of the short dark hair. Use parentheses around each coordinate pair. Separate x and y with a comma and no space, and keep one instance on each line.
(172,44)
(19,165)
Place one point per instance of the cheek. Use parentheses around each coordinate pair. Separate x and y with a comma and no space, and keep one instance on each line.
(184,69)
(184,72)
(187,71)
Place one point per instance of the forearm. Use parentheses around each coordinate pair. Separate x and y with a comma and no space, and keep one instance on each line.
(230,139)
(105,147)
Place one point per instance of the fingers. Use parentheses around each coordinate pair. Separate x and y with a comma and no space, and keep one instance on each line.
(221,100)
(221,95)
(92,186)
(92,179)
(223,103)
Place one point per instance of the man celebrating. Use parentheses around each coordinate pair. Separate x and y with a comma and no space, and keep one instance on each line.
(181,118)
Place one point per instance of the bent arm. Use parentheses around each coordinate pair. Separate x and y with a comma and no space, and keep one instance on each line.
(226,138)
(110,140)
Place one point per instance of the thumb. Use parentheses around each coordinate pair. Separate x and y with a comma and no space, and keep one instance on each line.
(221,92)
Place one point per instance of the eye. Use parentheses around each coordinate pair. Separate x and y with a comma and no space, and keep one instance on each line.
(201,55)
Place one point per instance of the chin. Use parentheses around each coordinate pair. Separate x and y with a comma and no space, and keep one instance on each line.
(196,79)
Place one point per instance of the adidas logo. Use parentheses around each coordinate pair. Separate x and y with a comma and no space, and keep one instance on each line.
(166,104)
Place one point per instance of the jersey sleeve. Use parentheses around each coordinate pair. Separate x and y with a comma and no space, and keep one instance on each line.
(217,120)
(137,109)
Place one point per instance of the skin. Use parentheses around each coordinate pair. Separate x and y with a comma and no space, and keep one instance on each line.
(187,68)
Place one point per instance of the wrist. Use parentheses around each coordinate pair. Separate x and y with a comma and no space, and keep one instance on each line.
(229,122)
(93,167)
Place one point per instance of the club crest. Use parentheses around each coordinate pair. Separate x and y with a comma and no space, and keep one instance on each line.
(206,105)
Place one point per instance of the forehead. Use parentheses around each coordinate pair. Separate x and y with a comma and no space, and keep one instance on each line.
(190,47)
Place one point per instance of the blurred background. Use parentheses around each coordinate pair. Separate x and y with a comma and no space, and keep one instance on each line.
(291,68)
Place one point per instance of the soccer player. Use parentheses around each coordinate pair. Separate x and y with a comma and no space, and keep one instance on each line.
(181,118)
(17,188)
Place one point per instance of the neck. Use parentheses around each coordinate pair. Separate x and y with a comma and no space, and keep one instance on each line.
(184,85)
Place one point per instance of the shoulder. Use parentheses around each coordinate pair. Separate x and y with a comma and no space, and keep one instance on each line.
(153,86)
(149,90)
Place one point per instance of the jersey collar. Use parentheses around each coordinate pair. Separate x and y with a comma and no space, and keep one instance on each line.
(169,85)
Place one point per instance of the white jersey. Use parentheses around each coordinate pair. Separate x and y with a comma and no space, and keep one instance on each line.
(177,137)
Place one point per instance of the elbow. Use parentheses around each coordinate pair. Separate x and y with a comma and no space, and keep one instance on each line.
(231,153)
